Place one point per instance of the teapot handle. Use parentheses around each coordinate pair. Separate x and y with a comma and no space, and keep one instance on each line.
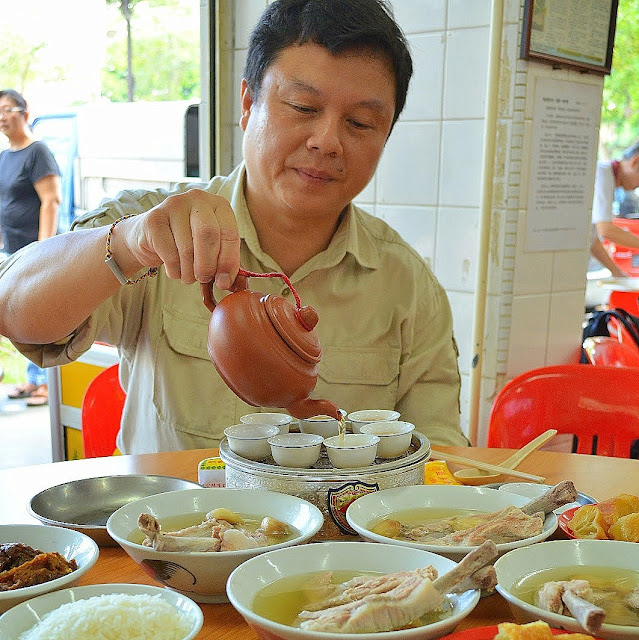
(240,284)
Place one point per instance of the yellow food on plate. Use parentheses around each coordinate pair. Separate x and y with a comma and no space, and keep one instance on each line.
(538,630)
(617,507)
(626,528)
(613,519)
(588,522)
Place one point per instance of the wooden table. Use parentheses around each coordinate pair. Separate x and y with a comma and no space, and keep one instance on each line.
(598,476)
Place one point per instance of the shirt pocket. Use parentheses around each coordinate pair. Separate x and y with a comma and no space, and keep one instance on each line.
(359,377)
(187,390)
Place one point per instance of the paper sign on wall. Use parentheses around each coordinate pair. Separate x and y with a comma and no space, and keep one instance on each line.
(565,132)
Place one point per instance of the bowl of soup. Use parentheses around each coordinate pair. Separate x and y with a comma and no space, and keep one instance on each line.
(303,593)
(447,519)
(610,569)
(190,541)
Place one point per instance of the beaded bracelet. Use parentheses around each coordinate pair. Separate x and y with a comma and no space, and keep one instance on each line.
(113,265)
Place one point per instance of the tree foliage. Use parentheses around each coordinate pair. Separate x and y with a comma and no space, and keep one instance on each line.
(620,105)
(153,59)
(24,59)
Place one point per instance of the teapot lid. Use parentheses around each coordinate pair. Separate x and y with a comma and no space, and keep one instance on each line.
(295,331)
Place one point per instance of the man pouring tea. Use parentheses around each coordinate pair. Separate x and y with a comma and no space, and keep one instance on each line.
(324,83)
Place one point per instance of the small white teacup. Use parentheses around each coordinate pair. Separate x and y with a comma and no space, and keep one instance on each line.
(281,420)
(357,450)
(395,436)
(300,450)
(365,416)
(251,440)
(324,426)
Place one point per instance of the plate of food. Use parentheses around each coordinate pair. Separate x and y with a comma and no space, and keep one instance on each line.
(613,519)
(538,630)
(451,520)
(36,559)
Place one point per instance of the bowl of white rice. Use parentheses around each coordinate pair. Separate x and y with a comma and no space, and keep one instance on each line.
(102,611)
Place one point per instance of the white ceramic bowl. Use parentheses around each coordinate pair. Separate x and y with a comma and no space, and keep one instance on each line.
(202,575)
(299,450)
(324,426)
(357,450)
(365,512)
(281,420)
(27,615)
(247,580)
(73,545)
(365,416)
(251,440)
(564,553)
(394,436)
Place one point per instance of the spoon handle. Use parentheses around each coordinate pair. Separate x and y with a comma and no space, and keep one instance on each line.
(485,466)
(527,449)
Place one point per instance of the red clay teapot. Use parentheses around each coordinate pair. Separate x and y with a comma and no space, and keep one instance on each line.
(265,349)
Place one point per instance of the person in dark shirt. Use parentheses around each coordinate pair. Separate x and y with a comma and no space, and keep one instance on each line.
(30,194)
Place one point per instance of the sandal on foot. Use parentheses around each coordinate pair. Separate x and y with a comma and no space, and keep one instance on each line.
(39,397)
(22,391)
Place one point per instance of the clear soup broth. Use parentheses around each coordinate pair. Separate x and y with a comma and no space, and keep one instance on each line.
(612,588)
(283,600)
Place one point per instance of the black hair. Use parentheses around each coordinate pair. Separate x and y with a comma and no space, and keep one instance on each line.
(12,94)
(337,25)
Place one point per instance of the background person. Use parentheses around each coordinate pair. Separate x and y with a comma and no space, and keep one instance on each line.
(608,177)
(30,194)
(324,83)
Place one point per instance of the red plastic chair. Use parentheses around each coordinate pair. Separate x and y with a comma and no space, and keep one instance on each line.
(101,413)
(599,406)
(608,351)
(626,257)
(626,300)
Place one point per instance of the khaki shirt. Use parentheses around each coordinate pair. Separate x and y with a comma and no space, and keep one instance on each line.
(385,328)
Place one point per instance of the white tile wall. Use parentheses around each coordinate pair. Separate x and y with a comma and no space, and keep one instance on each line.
(456,261)
(408,172)
(462,13)
(462,305)
(417,225)
(461,163)
(424,101)
(466,73)
(528,333)
(418,16)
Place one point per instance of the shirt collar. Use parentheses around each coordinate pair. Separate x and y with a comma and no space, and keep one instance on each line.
(353,235)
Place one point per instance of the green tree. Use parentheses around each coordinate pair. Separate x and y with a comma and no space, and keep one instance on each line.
(126,9)
(167,68)
(23,60)
(160,61)
(620,106)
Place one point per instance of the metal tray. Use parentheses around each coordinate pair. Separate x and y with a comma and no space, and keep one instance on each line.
(85,505)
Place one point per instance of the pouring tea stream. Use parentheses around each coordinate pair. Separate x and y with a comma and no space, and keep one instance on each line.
(265,349)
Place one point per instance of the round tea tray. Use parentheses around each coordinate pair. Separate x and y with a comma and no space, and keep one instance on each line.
(329,489)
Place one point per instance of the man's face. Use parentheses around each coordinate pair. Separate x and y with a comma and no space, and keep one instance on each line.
(314,136)
(11,122)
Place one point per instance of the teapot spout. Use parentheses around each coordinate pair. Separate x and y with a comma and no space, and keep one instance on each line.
(308,408)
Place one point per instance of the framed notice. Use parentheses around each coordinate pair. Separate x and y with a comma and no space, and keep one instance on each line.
(577,34)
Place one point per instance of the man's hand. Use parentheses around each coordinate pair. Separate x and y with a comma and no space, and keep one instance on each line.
(194,234)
